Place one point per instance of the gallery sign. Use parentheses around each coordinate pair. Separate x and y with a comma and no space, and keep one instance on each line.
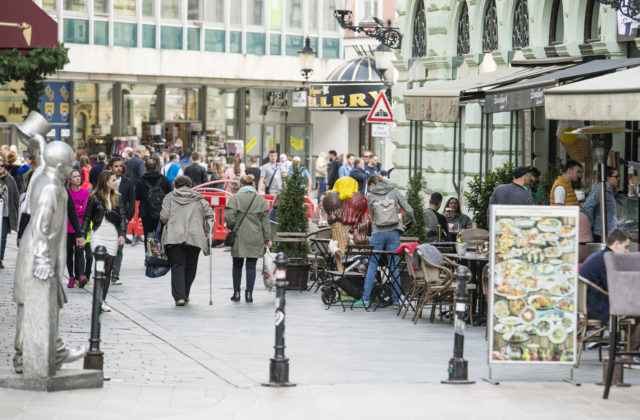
(341,96)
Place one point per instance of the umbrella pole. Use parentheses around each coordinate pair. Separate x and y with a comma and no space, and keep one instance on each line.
(603,201)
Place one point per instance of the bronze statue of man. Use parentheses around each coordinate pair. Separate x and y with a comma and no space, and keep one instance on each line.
(38,290)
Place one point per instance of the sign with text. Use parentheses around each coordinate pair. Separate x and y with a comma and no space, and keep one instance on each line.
(380,130)
(381,110)
(299,99)
(533,290)
(340,96)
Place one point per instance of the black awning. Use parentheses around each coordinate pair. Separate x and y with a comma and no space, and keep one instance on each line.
(529,93)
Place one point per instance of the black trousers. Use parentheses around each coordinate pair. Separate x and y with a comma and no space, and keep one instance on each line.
(184,264)
(237,273)
(148,226)
(88,260)
(75,257)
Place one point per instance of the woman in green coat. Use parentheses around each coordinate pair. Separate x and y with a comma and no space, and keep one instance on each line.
(251,228)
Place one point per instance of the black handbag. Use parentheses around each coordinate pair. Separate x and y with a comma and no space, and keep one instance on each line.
(230,237)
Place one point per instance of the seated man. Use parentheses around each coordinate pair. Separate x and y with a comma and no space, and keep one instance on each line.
(433,219)
(595,271)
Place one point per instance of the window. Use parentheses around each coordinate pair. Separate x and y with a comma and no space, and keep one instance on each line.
(235,42)
(370,9)
(556,26)
(292,45)
(100,32)
(329,21)
(194,11)
(193,39)
(170,9)
(222,111)
(75,5)
(76,31)
(214,11)
(148,36)
(235,12)
(254,12)
(124,7)
(463,31)
(275,16)
(313,41)
(592,21)
(520,38)
(214,40)
(419,48)
(330,48)
(100,6)
(294,14)
(490,27)
(181,104)
(171,38)
(49,4)
(312,20)
(275,44)
(256,43)
(125,34)
(147,7)
(139,105)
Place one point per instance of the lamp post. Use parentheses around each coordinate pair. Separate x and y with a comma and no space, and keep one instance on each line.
(307,57)
(375,28)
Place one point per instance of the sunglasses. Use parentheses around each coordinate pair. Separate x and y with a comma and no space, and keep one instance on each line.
(614,176)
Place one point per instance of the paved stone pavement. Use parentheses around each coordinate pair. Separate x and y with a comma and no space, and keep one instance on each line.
(202,361)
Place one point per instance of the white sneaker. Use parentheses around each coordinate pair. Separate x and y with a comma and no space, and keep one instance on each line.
(104,307)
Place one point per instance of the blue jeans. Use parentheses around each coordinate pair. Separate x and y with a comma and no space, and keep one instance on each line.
(322,186)
(385,241)
(5,231)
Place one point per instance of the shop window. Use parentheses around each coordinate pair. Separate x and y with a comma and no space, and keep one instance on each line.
(329,21)
(520,38)
(463,45)
(235,42)
(330,48)
(100,32)
(75,5)
(419,48)
(490,27)
(124,7)
(76,31)
(171,38)
(139,108)
(194,10)
(214,40)
(93,115)
(592,21)
(125,34)
(49,4)
(556,26)
(100,6)
(275,14)
(222,112)
(170,9)
(256,43)
(254,13)
(275,44)
(294,14)
(148,36)
(147,8)
(214,11)
(234,13)
(312,19)
(193,39)
(292,45)
(181,104)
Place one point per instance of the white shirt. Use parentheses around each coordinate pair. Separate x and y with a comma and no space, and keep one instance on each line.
(559,194)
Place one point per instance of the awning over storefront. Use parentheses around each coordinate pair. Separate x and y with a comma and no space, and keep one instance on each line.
(529,93)
(440,101)
(352,86)
(613,97)
(24,25)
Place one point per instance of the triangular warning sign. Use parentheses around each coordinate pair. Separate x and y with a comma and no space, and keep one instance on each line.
(381,111)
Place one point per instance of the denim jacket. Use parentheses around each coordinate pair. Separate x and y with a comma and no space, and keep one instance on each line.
(592,210)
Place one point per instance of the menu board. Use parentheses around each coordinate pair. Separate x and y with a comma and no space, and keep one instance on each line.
(533,287)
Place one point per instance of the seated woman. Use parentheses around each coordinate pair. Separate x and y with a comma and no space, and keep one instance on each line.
(456,219)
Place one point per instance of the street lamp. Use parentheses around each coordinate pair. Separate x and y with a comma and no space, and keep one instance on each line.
(383,55)
(629,8)
(307,56)
(375,28)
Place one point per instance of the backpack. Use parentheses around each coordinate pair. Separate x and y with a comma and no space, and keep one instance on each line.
(155,195)
(385,212)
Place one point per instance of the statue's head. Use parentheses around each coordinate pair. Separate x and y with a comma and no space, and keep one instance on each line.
(59,156)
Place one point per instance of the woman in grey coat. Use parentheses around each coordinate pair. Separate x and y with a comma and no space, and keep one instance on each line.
(10,204)
(253,233)
(185,215)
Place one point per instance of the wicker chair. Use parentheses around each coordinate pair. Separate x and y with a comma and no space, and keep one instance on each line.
(417,286)
(439,288)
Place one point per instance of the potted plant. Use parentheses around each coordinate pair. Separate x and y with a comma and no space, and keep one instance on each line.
(480,189)
(292,217)
(416,200)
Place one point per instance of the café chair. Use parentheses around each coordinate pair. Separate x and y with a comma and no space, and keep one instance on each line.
(590,329)
(439,288)
(623,280)
(417,285)
(471,286)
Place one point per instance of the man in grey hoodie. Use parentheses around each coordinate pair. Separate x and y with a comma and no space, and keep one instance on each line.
(385,232)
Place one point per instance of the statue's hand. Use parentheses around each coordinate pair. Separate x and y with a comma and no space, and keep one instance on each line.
(43,272)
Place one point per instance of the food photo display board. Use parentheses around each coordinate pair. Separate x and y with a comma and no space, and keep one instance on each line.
(533,290)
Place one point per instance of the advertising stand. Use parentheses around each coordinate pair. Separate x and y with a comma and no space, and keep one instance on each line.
(533,286)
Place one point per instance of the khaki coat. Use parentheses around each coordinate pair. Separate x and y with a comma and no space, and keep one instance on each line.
(254,230)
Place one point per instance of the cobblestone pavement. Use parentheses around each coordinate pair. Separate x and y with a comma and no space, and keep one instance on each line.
(202,361)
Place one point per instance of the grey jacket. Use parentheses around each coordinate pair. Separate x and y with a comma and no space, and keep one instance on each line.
(184,215)
(14,199)
(379,193)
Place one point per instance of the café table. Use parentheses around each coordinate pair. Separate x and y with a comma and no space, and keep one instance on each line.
(476,263)
(388,275)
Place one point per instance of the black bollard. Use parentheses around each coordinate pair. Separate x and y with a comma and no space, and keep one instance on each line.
(458,369)
(279,367)
(94,359)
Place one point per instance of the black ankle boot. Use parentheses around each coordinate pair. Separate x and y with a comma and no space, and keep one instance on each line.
(248,296)
(236,297)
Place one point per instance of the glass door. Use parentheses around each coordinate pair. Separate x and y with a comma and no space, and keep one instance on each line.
(299,142)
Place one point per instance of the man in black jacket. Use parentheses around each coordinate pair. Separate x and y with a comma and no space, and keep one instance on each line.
(135,165)
(333,171)
(128,197)
(147,185)
(195,170)
(359,175)
(94,173)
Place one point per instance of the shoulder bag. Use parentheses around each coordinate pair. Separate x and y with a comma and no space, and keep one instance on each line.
(277,168)
(230,238)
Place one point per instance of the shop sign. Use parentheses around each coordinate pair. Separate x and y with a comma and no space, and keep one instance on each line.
(380,130)
(343,96)
(533,292)
(55,106)
(251,144)
(515,100)
(299,99)
(277,101)
(297,144)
